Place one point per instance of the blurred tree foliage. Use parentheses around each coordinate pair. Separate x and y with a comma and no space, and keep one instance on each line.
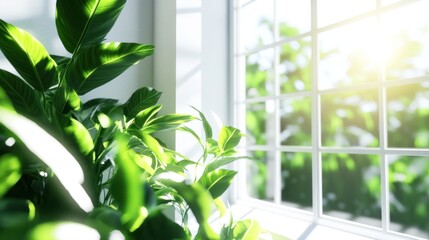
(351,182)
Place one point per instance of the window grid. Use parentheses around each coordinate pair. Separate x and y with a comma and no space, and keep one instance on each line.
(315,93)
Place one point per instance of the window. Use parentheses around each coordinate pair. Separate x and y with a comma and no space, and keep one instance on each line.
(334,97)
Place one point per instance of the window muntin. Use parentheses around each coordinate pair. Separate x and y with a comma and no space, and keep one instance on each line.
(335,108)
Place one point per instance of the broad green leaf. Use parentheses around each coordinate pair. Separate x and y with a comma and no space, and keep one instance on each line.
(82,23)
(51,152)
(80,136)
(15,212)
(127,186)
(66,98)
(99,64)
(145,163)
(61,63)
(10,172)
(63,230)
(5,101)
(146,115)
(206,125)
(28,56)
(140,100)
(24,98)
(229,137)
(218,181)
(199,201)
(93,106)
(246,230)
(167,122)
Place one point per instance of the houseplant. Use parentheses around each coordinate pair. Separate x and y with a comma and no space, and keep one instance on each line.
(96,168)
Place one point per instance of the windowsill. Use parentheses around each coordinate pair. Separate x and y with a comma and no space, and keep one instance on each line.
(295,225)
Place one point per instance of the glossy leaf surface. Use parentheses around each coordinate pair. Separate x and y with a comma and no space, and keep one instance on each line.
(28,56)
(140,100)
(82,23)
(99,64)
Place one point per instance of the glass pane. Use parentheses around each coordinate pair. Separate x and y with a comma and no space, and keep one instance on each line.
(409,198)
(350,119)
(260,181)
(352,187)
(387,2)
(294,17)
(295,66)
(296,180)
(349,54)
(256,24)
(331,11)
(260,123)
(260,74)
(406,34)
(295,121)
(408,116)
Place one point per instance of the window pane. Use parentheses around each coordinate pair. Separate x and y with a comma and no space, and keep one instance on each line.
(408,116)
(259,179)
(295,66)
(297,180)
(260,74)
(294,17)
(260,124)
(295,121)
(256,24)
(350,119)
(409,198)
(406,33)
(352,187)
(331,11)
(387,2)
(349,54)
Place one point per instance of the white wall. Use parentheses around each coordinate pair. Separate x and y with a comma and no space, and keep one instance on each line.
(135,24)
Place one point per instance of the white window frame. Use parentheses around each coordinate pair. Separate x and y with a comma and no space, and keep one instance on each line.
(316,218)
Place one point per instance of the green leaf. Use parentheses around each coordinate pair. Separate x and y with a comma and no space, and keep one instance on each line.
(167,122)
(229,137)
(82,23)
(80,136)
(14,212)
(24,98)
(146,115)
(5,101)
(218,181)
(66,98)
(51,152)
(158,226)
(127,186)
(28,56)
(153,145)
(246,230)
(199,201)
(99,64)
(206,125)
(140,100)
(221,162)
(53,230)
(10,172)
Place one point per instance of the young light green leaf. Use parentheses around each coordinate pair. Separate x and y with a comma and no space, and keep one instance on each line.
(221,162)
(99,64)
(140,100)
(218,181)
(229,137)
(146,115)
(82,23)
(127,186)
(28,56)
(206,125)
(10,172)
(154,145)
(167,122)
(247,230)
(25,99)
